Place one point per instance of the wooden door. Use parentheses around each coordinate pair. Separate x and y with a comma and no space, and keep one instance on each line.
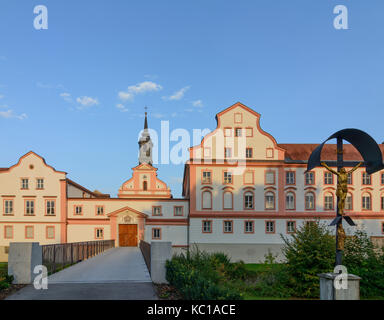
(128,235)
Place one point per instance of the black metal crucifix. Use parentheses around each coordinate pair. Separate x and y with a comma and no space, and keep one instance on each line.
(373,162)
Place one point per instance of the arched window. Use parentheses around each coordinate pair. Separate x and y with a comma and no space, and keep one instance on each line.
(348,202)
(290,201)
(145,185)
(366,202)
(328,201)
(227,200)
(269,201)
(207,199)
(309,201)
(248,200)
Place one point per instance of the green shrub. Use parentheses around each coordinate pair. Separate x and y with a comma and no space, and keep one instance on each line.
(310,251)
(363,259)
(203,276)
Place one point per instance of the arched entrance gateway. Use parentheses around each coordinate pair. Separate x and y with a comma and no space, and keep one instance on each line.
(127,226)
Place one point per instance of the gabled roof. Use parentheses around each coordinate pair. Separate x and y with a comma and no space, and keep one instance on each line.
(301,152)
(95,194)
(116,212)
(26,155)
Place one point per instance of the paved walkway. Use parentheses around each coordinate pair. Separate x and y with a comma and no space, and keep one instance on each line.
(117,274)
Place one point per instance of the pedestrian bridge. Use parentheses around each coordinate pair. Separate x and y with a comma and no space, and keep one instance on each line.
(118,273)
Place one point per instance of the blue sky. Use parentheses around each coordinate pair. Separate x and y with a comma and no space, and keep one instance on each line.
(72,93)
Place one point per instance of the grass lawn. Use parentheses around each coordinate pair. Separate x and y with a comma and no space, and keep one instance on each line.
(3,269)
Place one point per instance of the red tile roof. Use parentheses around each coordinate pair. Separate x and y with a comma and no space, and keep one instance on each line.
(3,169)
(302,152)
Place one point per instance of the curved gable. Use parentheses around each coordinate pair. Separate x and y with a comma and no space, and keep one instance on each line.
(238,128)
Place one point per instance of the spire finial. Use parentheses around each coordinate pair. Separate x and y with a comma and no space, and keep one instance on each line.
(145,121)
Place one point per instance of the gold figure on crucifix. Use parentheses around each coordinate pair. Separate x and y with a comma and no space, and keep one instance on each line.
(341,193)
(342,184)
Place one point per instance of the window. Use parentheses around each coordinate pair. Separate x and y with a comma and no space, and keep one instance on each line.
(348,202)
(227,200)
(382,203)
(310,178)
(328,178)
(178,211)
(227,226)
(290,201)
(78,210)
(349,179)
(309,201)
(50,232)
(289,177)
(291,226)
(227,177)
(29,207)
(227,132)
(270,226)
(382,178)
(39,183)
(238,117)
(269,201)
(238,132)
(366,178)
(207,200)
(249,132)
(366,201)
(207,226)
(248,226)
(145,185)
(8,232)
(207,152)
(248,153)
(29,232)
(156,211)
(248,200)
(206,177)
(50,207)
(328,201)
(99,210)
(99,233)
(24,183)
(228,152)
(156,233)
(8,207)
(270,177)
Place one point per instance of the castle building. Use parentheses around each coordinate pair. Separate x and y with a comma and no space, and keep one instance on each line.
(241,192)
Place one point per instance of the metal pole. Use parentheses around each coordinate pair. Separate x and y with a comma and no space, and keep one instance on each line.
(339,253)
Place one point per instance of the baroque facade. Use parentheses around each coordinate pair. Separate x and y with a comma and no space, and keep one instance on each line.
(241,191)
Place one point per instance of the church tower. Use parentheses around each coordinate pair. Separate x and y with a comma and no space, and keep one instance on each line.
(145,145)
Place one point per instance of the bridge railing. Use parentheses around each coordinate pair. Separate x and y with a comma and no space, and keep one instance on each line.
(59,256)
(145,248)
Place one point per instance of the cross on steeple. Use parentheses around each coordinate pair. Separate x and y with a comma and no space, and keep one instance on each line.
(145,143)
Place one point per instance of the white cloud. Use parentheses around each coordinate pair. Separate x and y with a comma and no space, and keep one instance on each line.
(9,114)
(1,96)
(121,107)
(66,96)
(139,88)
(197,103)
(49,86)
(158,115)
(87,101)
(178,95)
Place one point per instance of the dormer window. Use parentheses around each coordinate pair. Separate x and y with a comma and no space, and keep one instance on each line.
(248,153)
(24,183)
(39,183)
